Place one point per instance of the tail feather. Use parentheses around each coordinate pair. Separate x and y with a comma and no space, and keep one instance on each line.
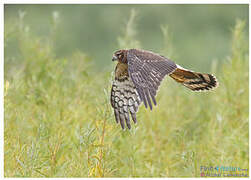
(193,80)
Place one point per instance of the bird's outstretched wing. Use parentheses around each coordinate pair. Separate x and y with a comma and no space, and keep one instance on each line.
(147,69)
(125,101)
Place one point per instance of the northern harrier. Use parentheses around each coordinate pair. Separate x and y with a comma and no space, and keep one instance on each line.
(138,75)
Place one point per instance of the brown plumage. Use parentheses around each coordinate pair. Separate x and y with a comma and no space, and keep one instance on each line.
(138,75)
(193,80)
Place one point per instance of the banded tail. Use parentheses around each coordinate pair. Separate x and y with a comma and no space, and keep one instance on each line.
(193,80)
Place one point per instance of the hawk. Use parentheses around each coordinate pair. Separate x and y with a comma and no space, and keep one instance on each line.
(138,75)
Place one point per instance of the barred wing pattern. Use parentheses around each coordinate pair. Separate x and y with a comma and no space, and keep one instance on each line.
(125,100)
(147,70)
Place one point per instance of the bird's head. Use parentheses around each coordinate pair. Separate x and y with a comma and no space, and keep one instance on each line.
(120,55)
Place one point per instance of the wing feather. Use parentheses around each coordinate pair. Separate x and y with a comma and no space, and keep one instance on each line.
(125,102)
(147,70)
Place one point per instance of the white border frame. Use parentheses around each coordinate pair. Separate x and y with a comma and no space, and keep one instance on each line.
(126,2)
(94,2)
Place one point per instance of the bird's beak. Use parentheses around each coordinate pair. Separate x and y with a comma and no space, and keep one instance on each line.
(114,58)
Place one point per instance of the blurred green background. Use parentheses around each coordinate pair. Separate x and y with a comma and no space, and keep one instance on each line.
(58,121)
(199,33)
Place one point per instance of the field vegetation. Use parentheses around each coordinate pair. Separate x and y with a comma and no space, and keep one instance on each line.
(58,121)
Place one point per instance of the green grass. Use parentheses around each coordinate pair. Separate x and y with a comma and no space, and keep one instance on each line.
(58,121)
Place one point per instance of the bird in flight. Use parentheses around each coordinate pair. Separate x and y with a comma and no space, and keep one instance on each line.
(138,75)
